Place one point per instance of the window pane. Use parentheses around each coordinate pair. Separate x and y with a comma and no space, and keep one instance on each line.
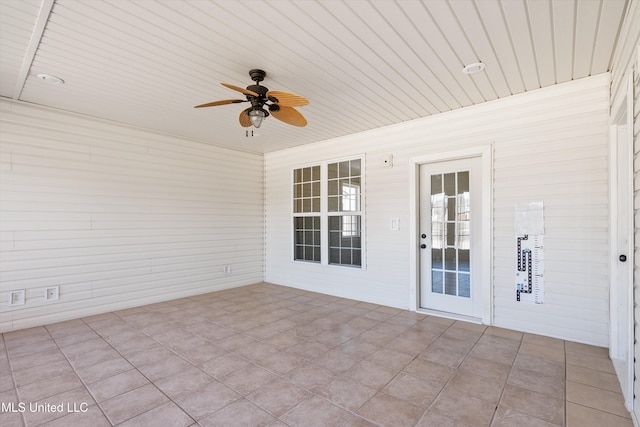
(436,281)
(450,259)
(355,167)
(343,169)
(436,258)
(450,184)
(332,170)
(333,188)
(464,285)
(450,283)
(307,238)
(344,239)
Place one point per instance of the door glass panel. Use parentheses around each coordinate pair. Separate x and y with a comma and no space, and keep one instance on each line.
(450,234)
(436,281)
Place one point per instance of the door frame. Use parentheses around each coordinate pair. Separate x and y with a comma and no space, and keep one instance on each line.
(485,152)
(622,115)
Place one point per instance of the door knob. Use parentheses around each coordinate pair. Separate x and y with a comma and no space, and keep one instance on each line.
(622,258)
(423,246)
(424,236)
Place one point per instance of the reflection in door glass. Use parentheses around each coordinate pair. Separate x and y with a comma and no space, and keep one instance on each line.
(450,234)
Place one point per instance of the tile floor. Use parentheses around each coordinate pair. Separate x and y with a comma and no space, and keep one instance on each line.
(267,355)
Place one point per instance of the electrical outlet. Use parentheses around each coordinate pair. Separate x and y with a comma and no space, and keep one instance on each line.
(16,297)
(52,293)
(227,270)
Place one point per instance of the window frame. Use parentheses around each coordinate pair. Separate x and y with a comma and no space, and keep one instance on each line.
(325,214)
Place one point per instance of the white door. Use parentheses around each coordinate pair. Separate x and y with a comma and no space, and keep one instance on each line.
(449,229)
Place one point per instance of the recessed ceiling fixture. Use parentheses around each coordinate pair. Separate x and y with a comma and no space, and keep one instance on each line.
(48,78)
(476,67)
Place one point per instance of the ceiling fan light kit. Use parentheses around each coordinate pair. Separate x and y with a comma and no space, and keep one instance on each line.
(277,103)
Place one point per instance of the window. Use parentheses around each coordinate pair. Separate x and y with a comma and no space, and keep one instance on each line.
(327,213)
(306,208)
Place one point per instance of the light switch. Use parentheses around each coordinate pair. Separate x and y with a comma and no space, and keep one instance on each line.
(395,224)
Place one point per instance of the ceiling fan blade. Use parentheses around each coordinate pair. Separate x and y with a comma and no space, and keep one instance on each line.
(288,99)
(221,102)
(290,116)
(245,120)
(239,89)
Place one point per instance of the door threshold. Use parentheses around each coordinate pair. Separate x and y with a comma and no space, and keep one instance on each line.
(448,315)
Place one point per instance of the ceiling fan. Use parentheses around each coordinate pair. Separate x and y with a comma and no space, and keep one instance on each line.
(277,103)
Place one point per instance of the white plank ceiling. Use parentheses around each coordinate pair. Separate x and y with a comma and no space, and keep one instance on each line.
(362,63)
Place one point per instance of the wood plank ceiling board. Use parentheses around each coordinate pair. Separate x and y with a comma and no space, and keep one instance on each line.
(477,34)
(17,24)
(444,60)
(587,17)
(477,86)
(493,17)
(362,64)
(610,17)
(563,13)
(540,21)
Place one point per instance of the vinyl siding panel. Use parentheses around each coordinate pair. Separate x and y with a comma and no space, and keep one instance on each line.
(549,145)
(119,217)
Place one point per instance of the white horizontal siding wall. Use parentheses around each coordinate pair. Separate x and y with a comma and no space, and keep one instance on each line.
(549,145)
(119,217)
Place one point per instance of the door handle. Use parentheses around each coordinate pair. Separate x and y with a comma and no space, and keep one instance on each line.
(622,258)
(424,236)
(423,246)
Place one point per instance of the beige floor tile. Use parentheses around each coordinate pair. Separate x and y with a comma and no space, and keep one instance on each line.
(443,357)
(542,340)
(68,401)
(281,362)
(346,392)
(393,359)
(316,412)
(278,397)
(508,417)
(92,417)
(115,385)
(505,333)
(464,408)
(103,370)
(430,371)
(494,353)
(239,413)
(476,386)
(582,416)
(434,419)
(596,398)
(224,365)
(133,403)
(454,345)
(184,381)
(593,378)
(543,351)
(309,376)
(41,372)
(413,389)
(386,410)
(486,368)
(538,405)
(48,387)
(587,349)
(249,379)
(169,413)
(598,362)
(205,401)
(552,385)
(371,374)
